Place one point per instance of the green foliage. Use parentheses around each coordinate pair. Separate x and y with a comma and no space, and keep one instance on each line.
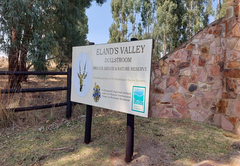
(169,22)
(221,9)
(45,29)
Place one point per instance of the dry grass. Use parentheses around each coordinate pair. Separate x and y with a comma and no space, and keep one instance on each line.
(37,117)
(157,142)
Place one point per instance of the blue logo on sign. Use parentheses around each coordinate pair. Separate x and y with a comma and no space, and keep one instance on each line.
(138,96)
(138,99)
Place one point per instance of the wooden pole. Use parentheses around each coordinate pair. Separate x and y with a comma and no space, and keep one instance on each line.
(130,133)
(88,122)
(69,103)
(88,125)
(130,138)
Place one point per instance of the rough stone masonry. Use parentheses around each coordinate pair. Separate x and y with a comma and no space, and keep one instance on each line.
(200,80)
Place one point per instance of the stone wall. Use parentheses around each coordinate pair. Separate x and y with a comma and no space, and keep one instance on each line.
(200,80)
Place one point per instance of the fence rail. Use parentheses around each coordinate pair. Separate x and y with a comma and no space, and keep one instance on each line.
(68,88)
(33,90)
(32,73)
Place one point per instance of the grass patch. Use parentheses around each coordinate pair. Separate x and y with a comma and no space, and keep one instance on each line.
(159,141)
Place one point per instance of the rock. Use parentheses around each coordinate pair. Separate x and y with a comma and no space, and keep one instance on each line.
(209,95)
(170,81)
(179,101)
(229,95)
(205,113)
(164,70)
(175,95)
(232,64)
(236,145)
(186,72)
(194,104)
(196,116)
(210,79)
(207,56)
(182,90)
(164,113)
(219,51)
(193,78)
(215,70)
(157,90)
(184,81)
(156,111)
(217,84)
(221,65)
(176,114)
(238,109)
(213,48)
(194,61)
(183,111)
(158,73)
(156,81)
(188,96)
(184,55)
(233,73)
(183,65)
(217,119)
(203,87)
(213,107)
(199,94)
(206,103)
(202,76)
(178,54)
(226,124)
(190,46)
(236,31)
(162,85)
(231,85)
(170,89)
(166,99)
(173,71)
(233,120)
(205,49)
(202,61)
(192,88)
(231,108)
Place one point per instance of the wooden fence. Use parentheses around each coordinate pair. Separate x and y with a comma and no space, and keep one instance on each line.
(68,103)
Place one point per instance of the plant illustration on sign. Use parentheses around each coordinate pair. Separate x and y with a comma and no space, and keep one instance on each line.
(82,76)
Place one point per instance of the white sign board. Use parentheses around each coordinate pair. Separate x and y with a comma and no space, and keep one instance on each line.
(113,76)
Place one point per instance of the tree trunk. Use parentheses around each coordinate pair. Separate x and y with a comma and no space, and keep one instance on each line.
(13,80)
(164,44)
(22,63)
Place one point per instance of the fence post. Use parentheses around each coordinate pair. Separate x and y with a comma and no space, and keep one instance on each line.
(69,103)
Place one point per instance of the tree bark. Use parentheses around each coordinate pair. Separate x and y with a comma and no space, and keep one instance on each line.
(13,80)
(22,63)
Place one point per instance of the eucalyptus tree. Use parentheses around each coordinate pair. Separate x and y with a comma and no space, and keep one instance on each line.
(197,16)
(221,8)
(120,13)
(147,15)
(166,23)
(34,30)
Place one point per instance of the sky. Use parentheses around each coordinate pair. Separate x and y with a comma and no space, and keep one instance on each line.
(99,22)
